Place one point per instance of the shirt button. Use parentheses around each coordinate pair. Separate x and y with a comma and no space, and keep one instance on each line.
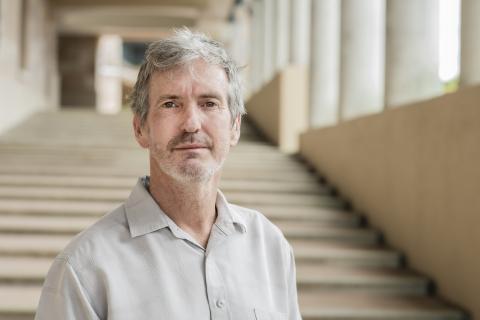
(220,303)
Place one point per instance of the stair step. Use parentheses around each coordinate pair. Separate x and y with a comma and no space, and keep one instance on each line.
(54,193)
(300,213)
(128,183)
(22,300)
(138,158)
(94,163)
(318,231)
(18,302)
(66,181)
(363,306)
(25,270)
(43,245)
(251,199)
(29,270)
(43,146)
(58,207)
(135,171)
(71,225)
(334,234)
(37,245)
(321,252)
(44,224)
(119,195)
(293,187)
(98,208)
(351,279)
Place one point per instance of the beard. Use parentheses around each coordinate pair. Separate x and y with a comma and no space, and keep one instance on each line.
(191,171)
(191,168)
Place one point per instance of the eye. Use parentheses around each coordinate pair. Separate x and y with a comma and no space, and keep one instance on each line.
(169,105)
(210,104)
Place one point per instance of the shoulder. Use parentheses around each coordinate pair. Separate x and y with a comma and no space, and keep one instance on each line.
(259,226)
(97,240)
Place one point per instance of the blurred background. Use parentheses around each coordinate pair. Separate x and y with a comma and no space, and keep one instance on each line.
(362,139)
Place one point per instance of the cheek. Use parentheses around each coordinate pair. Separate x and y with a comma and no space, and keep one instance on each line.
(159,137)
(224,136)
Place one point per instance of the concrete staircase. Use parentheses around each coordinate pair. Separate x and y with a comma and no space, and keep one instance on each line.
(59,172)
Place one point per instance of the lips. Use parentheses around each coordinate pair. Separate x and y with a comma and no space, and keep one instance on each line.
(190,141)
(190,146)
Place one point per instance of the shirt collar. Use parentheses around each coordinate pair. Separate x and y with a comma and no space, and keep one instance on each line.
(228,219)
(145,216)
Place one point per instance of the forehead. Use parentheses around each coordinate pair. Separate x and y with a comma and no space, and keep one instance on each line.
(195,78)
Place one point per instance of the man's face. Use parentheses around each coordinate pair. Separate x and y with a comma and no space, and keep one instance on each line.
(189,128)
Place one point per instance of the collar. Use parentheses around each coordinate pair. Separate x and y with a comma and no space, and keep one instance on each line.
(145,216)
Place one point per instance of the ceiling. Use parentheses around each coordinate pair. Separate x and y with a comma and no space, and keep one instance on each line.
(140,19)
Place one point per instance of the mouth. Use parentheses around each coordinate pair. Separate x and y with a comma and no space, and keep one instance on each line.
(192,146)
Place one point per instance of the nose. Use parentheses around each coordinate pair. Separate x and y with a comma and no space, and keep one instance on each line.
(192,121)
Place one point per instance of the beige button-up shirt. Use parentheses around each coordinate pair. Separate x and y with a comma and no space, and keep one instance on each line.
(135,263)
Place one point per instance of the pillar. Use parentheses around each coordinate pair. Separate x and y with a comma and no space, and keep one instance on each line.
(470,43)
(411,51)
(362,57)
(268,39)
(108,78)
(53,81)
(10,35)
(256,49)
(300,11)
(324,61)
(240,43)
(282,17)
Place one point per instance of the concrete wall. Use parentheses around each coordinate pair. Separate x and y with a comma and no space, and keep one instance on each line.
(279,109)
(28,77)
(415,172)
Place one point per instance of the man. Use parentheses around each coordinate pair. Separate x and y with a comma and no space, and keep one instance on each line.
(176,249)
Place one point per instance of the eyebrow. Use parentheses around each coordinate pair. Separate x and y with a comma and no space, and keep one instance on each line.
(211,95)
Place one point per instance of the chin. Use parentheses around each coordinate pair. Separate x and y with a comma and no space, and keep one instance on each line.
(194,174)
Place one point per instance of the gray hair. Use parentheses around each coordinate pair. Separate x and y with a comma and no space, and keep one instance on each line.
(182,48)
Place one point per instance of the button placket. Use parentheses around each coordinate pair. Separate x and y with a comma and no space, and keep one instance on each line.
(215,290)
(220,303)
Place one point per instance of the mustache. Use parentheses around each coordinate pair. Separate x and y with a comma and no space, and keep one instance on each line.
(189,137)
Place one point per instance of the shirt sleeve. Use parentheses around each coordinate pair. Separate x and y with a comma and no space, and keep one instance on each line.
(293,308)
(63,296)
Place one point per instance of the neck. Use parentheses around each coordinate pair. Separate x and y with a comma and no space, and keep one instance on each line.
(191,205)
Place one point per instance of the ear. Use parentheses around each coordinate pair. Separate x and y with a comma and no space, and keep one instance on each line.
(235,131)
(140,132)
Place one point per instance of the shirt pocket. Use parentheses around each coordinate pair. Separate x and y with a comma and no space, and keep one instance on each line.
(261,314)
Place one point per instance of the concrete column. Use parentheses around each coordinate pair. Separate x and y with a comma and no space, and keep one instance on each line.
(53,82)
(268,39)
(411,51)
(362,57)
(256,49)
(300,31)
(324,60)
(10,34)
(240,43)
(470,43)
(36,68)
(108,80)
(282,36)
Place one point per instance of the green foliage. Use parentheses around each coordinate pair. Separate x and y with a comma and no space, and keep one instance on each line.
(451,86)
